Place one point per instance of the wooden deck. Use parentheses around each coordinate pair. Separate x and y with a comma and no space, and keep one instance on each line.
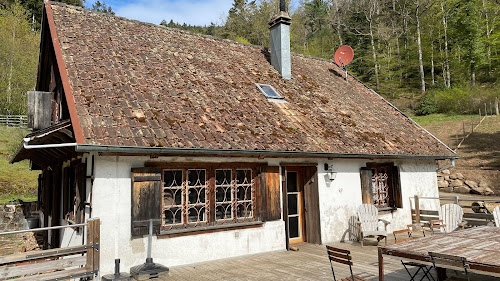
(309,263)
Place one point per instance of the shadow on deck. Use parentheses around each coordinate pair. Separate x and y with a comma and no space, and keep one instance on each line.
(309,263)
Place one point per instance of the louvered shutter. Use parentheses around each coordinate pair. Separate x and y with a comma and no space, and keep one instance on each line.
(366,185)
(146,200)
(396,183)
(271,201)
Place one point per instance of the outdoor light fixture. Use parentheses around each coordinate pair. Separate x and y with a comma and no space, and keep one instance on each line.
(332,174)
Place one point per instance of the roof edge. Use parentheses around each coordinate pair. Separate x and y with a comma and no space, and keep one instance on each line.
(70,101)
(251,153)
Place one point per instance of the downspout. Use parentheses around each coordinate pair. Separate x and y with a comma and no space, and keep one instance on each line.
(452,164)
(32,146)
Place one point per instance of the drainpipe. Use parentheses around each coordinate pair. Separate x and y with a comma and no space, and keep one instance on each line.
(32,146)
(452,164)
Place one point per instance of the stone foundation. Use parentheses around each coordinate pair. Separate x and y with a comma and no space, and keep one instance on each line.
(13,215)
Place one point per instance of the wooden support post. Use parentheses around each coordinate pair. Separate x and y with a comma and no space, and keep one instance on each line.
(380,265)
(457,200)
(97,242)
(90,242)
(463,128)
(417,209)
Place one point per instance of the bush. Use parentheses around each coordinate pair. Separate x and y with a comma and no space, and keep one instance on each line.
(463,99)
(427,105)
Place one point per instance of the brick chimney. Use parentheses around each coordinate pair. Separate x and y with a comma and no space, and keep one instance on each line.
(280,42)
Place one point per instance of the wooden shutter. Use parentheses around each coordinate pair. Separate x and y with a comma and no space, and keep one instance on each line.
(270,184)
(146,200)
(366,185)
(396,184)
(311,198)
(80,190)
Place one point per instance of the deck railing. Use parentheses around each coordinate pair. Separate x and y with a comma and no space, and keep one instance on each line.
(78,262)
(477,211)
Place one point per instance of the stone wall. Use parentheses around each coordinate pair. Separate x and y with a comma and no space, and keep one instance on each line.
(13,215)
(456,182)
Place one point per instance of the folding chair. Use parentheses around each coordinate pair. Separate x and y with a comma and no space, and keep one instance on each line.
(420,267)
(342,256)
(416,227)
(437,224)
(450,261)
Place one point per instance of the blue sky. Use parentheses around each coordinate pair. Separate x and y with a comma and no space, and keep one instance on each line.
(194,12)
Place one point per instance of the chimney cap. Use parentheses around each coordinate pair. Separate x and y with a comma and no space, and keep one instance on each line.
(282,17)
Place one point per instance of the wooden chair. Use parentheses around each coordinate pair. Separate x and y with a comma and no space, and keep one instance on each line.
(496,215)
(450,261)
(416,228)
(451,215)
(435,225)
(342,256)
(368,223)
(404,235)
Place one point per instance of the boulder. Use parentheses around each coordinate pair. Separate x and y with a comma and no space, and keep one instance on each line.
(448,189)
(462,189)
(446,178)
(482,191)
(471,184)
(440,178)
(442,184)
(458,176)
(445,172)
(483,184)
(456,183)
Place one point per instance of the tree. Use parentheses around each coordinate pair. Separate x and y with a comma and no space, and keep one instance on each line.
(102,7)
(18,58)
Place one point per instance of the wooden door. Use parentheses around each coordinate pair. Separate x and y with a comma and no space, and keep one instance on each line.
(295,205)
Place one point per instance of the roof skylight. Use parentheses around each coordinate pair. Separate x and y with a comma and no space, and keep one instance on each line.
(268,91)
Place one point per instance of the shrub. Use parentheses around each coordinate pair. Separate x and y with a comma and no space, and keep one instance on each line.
(427,105)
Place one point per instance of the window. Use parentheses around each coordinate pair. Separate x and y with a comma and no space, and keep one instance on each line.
(207,196)
(380,185)
(268,91)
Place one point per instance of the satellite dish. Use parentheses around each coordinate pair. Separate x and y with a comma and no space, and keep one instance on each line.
(343,56)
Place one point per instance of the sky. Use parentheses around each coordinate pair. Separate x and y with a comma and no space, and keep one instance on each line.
(194,12)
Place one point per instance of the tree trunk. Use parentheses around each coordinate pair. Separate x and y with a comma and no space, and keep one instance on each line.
(337,21)
(374,53)
(419,45)
(432,59)
(488,32)
(11,67)
(472,74)
(445,33)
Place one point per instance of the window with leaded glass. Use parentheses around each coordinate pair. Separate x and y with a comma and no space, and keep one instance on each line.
(380,185)
(244,193)
(173,198)
(196,196)
(224,194)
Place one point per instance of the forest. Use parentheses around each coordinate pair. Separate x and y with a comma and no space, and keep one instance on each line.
(425,56)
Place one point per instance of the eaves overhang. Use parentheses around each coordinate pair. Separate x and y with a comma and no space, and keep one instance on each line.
(170,151)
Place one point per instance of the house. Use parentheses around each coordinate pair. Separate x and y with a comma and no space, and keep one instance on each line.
(230,149)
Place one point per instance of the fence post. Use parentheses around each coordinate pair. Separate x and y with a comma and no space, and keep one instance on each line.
(90,243)
(457,200)
(463,127)
(417,209)
(97,243)
(485,110)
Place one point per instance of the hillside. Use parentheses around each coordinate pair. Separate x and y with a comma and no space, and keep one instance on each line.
(16,181)
(479,153)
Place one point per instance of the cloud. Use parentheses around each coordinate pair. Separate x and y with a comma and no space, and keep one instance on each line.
(194,12)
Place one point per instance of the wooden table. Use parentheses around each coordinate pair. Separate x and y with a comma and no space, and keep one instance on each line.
(480,245)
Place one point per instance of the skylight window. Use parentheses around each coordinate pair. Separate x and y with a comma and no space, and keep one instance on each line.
(268,91)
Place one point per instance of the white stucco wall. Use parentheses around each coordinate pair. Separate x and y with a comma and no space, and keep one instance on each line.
(339,199)
(112,204)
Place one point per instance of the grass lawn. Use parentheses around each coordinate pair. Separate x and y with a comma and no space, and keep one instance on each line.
(16,180)
(441,118)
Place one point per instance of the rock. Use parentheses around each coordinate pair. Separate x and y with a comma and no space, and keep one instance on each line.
(447,189)
(457,176)
(471,184)
(462,189)
(456,183)
(446,178)
(482,191)
(483,184)
(488,191)
(445,172)
(440,178)
(442,184)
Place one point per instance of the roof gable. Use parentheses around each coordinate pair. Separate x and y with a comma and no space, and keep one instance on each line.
(138,84)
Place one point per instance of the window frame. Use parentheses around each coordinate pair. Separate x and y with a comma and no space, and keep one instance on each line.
(392,185)
(212,222)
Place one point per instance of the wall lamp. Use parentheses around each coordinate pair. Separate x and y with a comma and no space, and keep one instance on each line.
(332,174)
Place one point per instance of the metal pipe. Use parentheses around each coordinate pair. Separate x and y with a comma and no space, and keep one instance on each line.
(43,228)
(242,152)
(452,164)
(53,145)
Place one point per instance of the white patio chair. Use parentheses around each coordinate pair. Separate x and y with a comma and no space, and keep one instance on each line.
(496,215)
(452,215)
(368,223)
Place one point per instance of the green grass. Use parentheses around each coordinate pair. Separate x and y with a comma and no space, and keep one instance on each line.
(441,117)
(16,180)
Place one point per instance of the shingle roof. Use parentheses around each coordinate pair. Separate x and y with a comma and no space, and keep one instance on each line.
(139,84)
